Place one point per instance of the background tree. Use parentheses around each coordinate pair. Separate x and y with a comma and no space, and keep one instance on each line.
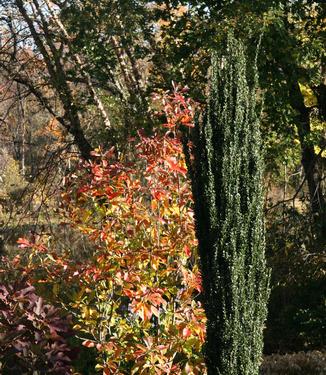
(292,58)
(73,61)
(31,56)
(70,80)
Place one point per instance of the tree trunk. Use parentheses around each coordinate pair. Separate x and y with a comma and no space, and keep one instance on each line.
(57,77)
(309,157)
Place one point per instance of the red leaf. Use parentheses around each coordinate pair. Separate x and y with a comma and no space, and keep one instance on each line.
(158,194)
(23,243)
(186,332)
(88,344)
(187,250)
(175,166)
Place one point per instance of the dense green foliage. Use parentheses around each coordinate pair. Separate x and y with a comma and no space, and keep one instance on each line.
(227,185)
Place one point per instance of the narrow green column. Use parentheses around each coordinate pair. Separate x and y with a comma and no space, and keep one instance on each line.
(226,172)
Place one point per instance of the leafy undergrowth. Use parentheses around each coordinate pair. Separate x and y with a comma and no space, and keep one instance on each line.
(310,363)
(33,333)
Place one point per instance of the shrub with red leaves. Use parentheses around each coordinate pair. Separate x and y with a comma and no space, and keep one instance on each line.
(32,333)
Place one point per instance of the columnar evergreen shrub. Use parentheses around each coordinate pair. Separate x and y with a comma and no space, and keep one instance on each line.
(226,170)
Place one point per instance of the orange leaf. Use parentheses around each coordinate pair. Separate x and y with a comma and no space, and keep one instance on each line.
(186,120)
(145,312)
(175,166)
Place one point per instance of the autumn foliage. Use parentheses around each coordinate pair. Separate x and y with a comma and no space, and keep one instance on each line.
(33,333)
(136,299)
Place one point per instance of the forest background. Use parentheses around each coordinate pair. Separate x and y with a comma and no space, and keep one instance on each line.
(79,75)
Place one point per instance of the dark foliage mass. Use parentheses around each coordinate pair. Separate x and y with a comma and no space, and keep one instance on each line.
(227,186)
(33,334)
